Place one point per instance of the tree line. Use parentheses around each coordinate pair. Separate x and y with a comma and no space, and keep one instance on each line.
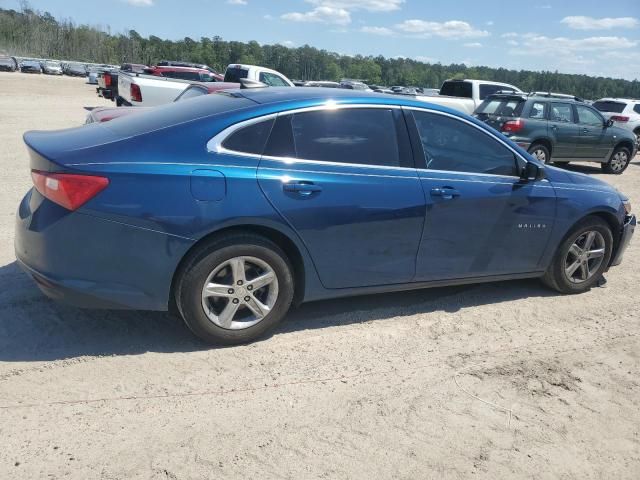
(32,33)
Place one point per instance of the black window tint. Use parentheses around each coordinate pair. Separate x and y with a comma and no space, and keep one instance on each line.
(588,116)
(250,139)
(363,136)
(457,89)
(487,89)
(637,108)
(453,145)
(561,112)
(234,75)
(609,106)
(280,142)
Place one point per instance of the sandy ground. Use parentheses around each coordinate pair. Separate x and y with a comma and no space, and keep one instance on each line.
(506,380)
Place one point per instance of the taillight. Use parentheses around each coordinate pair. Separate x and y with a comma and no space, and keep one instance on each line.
(66,189)
(513,126)
(107,80)
(619,118)
(136,94)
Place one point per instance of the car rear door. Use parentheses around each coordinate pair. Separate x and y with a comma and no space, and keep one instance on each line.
(481,219)
(563,129)
(595,142)
(344,179)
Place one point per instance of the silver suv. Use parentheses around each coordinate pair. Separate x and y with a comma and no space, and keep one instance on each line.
(624,112)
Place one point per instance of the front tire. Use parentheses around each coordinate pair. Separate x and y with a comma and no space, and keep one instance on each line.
(618,162)
(582,257)
(233,290)
(540,153)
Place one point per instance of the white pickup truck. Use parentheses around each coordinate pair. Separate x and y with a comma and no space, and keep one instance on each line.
(235,72)
(466,95)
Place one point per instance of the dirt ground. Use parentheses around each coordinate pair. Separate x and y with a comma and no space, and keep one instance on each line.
(506,380)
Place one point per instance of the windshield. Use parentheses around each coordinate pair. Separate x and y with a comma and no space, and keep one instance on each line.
(457,89)
(234,74)
(609,106)
(53,64)
(503,107)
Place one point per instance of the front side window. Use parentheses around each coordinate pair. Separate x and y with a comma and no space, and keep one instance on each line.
(452,145)
(537,110)
(561,112)
(272,80)
(361,136)
(249,139)
(588,116)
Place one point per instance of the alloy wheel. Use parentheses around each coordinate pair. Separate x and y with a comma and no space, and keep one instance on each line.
(540,155)
(240,292)
(585,256)
(619,161)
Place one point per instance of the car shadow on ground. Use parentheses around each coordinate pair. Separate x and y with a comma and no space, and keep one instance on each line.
(35,328)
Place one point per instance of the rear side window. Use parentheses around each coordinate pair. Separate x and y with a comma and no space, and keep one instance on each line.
(588,116)
(361,136)
(452,145)
(234,74)
(457,89)
(504,107)
(637,108)
(488,89)
(272,80)
(609,106)
(249,139)
(538,110)
(561,112)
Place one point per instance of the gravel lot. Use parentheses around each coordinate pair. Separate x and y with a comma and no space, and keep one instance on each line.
(505,380)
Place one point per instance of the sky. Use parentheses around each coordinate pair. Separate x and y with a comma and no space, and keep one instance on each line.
(593,37)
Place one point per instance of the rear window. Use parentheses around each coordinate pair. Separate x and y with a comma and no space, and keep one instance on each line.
(234,74)
(457,89)
(609,106)
(182,75)
(174,113)
(503,107)
(487,89)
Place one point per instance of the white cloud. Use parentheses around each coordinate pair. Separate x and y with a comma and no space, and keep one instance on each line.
(509,35)
(590,23)
(140,3)
(513,43)
(489,23)
(541,45)
(473,45)
(337,16)
(368,5)
(449,29)
(287,43)
(383,31)
(237,2)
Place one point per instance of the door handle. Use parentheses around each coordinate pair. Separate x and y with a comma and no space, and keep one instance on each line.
(554,127)
(585,130)
(446,193)
(302,188)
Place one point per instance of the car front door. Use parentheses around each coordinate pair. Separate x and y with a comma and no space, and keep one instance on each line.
(481,218)
(344,179)
(594,142)
(563,130)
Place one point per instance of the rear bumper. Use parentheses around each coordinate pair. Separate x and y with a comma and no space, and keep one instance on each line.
(93,262)
(625,238)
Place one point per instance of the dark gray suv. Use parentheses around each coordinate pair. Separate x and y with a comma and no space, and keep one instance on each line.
(559,128)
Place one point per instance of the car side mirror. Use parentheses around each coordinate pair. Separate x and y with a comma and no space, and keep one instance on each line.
(532,172)
(608,123)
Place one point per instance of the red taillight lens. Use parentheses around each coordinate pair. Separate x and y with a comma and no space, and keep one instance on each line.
(136,94)
(619,118)
(513,126)
(107,80)
(66,189)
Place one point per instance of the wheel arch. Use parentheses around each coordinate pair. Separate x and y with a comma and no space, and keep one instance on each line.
(290,247)
(624,143)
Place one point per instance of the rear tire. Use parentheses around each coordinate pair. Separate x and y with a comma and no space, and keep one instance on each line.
(582,257)
(618,162)
(230,310)
(540,153)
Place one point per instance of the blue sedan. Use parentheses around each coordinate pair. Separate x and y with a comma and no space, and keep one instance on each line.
(235,206)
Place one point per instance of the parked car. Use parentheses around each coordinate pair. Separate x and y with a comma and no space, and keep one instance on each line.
(559,128)
(625,112)
(159,85)
(171,63)
(133,67)
(51,67)
(323,84)
(75,70)
(466,95)
(108,84)
(234,206)
(8,64)
(234,73)
(94,71)
(354,85)
(30,66)
(106,114)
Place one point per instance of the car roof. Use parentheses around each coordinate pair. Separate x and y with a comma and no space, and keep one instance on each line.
(612,99)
